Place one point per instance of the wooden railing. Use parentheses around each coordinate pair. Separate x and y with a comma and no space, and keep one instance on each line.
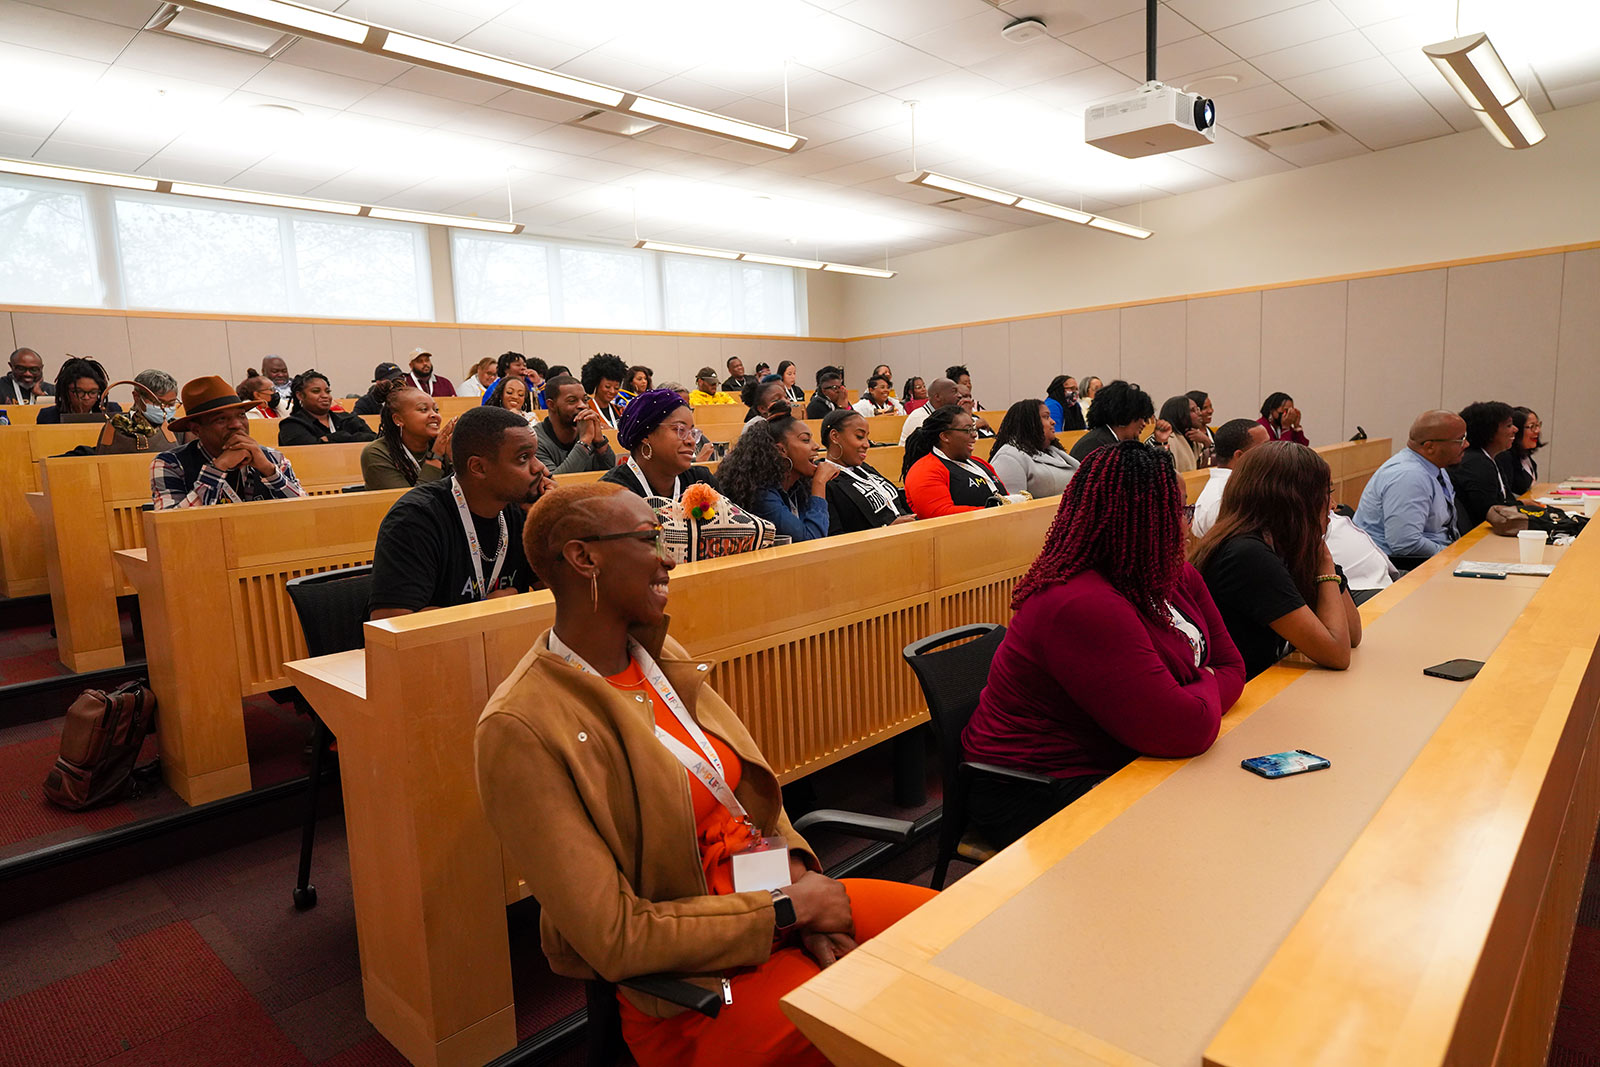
(22,567)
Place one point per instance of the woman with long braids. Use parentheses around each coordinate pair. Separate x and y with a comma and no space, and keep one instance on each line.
(412,446)
(80,390)
(942,476)
(1267,562)
(1115,651)
(312,420)
(772,472)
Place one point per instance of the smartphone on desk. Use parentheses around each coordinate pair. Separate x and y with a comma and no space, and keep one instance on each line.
(1283,764)
(1455,670)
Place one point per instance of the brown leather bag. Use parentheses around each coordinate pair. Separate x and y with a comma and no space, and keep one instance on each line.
(129,431)
(100,743)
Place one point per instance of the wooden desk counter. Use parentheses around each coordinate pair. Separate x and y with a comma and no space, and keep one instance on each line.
(22,567)
(1412,905)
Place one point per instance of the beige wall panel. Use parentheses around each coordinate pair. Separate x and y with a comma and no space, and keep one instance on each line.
(697,352)
(443,342)
(1091,345)
(1394,352)
(660,354)
(1035,356)
(904,356)
(1153,342)
(859,356)
(549,345)
(827,354)
(1224,345)
(936,351)
(349,354)
(8,340)
(184,348)
(592,344)
(98,337)
(251,342)
(1302,354)
(986,352)
(746,348)
(1573,448)
(1501,324)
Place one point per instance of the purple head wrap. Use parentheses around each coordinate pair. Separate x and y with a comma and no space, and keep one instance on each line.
(644,413)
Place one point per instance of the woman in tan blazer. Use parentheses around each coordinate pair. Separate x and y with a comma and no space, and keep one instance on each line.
(623,785)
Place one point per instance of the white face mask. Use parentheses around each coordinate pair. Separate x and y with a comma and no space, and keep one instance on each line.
(157,414)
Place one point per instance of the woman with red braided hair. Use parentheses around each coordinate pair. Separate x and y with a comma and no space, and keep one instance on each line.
(1115,651)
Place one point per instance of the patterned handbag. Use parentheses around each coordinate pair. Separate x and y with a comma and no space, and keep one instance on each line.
(704,524)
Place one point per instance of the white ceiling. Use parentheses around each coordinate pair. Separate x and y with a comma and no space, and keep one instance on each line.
(81,84)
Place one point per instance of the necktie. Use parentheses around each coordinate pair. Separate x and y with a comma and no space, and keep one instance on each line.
(1450,509)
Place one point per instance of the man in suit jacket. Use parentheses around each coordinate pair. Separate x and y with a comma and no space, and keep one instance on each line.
(25,383)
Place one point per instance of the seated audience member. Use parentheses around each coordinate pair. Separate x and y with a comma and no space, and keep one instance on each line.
(1183,415)
(277,371)
(1202,402)
(882,370)
(155,405)
(572,437)
(1234,438)
(915,395)
(1477,479)
(629,879)
(1517,465)
(657,431)
(704,448)
(511,393)
(413,445)
(788,373)
(1027,456)
(512,365)
(772,472)
(24,383)
(641,379)
(264,399)
(1269,568)
(970,406)
(1365,567)
(1091,389)
(963,378)
(879,399)
(942,476)
(1061,397)
(1115,650)
(371,402)
(424,379)
(831,394)
(312,420)
(942,392)
(1282,419)
(1120,412)
(536,372)
(221,463)
(707,390)
(482,376)
(459,539)
(559,368)
(602,378)
(80,390)
(737,379)
(860,498)
(763,369)
(763,400)
(1409,507)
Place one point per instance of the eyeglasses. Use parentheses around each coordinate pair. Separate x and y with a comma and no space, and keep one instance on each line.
(84,394)
(656,536)
(973,430)
(684,431)
(1445,440)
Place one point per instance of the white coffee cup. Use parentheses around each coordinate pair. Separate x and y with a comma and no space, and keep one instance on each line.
(1530,543)
(1591,504)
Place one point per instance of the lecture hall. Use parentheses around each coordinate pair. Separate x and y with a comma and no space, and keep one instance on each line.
(886,533)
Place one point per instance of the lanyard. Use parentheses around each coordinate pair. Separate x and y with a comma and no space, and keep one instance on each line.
(971,468)
(425,388)
(644,483)
(1504,496)
(607,413)
(479,590)
(878,491)
(705,765)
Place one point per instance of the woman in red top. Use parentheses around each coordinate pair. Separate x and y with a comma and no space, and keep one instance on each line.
(1116,650)
(942,476)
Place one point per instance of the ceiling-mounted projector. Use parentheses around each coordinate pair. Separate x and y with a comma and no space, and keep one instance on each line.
(1152,119)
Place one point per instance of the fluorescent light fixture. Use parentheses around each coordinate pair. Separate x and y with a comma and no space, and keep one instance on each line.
(242,196)
(707,122)
(961,187)
(757,257)
(430,218)
(1474,70)
(286,16)
(463,61)
(77,174)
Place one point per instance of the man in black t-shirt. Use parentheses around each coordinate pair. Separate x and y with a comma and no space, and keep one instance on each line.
(426,557)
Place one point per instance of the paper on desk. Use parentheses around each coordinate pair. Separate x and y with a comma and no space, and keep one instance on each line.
(1537,570)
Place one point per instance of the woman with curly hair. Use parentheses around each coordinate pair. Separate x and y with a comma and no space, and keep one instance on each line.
(602,379)
(1116,650)
(772,472)
(80,390)
(312,420)
(413,444)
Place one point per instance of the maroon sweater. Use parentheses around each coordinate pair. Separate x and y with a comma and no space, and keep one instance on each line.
(1084,683)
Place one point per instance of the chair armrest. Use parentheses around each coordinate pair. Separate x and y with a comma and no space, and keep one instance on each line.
(871,827)
(1010,774)
(676,991)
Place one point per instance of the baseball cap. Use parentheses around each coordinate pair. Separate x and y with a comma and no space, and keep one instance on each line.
(384,371)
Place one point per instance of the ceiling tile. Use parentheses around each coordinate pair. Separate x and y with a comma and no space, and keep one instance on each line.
(1233,158)
(1366,12)
(58,31)
(1409,32)
(1074,92)
(1382,116)
(902,20)
(198,62)
(1246,101)
(1063,17)
(571,140)
(495,125)
(874,113)
(1313,56)
(120,12)
(70,154)
(1339,146)
(1342,79)
(535,106)
(349,62)
(416,16)
(447,86)
(1282,117)
(1124,36)
(1039,60)
(1177,60)
(400,105)
(1574,95)
(507,42)
(890,67)
(958,87)
(364,185)
(969,40)
(597,65)
(819,131)
(304,85)
(1215,14)
(681,90)
(1285,29)
(18,145)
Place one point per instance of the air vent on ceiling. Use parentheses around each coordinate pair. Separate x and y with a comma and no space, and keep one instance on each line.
(614,122)
(179,21)
(1293,136)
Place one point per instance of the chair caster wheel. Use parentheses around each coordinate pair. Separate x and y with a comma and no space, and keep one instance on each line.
(305,899)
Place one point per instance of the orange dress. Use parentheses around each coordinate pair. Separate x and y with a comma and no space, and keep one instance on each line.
(752,1031)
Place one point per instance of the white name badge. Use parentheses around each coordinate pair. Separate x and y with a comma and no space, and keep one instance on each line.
(762,866)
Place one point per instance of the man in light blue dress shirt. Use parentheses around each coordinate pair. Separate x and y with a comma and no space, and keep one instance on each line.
(1408,508)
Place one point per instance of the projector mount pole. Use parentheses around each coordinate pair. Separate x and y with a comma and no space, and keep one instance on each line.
(1150,40)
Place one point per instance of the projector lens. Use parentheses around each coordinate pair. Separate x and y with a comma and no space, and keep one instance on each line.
(1205,114)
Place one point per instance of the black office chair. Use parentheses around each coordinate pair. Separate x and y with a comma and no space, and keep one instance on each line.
(951,680)
(332,607)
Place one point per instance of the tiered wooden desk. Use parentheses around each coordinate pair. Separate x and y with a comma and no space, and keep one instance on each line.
(1412,905)
(22,568)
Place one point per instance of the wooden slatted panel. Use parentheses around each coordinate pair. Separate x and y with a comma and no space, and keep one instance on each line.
(269,633)
(990,602)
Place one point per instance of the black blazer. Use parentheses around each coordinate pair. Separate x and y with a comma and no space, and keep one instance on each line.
(298,428)
(1518,481)
(1477,482)
(8,389)
(820,406)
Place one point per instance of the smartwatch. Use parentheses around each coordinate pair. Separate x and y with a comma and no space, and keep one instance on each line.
(783,911)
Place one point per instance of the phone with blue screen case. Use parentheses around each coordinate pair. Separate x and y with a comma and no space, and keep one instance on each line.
(1284,764)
